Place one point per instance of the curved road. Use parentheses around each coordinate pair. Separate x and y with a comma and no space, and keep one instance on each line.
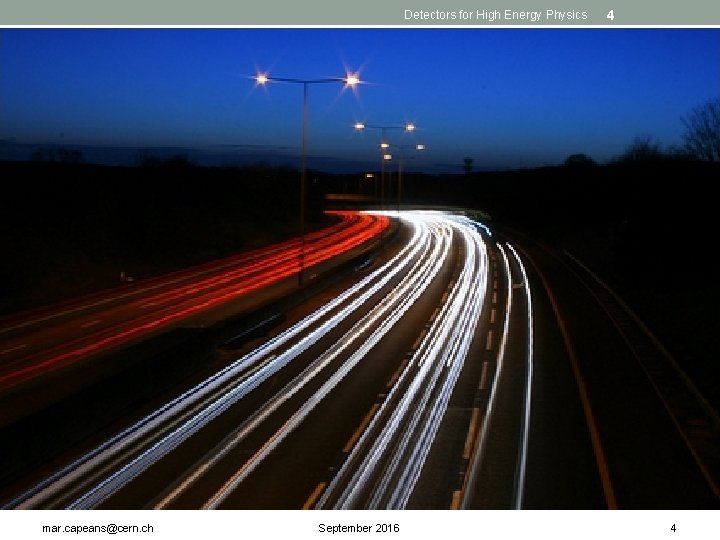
(35,345)
(462,369)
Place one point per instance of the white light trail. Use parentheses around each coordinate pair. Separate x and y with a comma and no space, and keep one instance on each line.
(163,430)
(477,457)
(385,315)
(522,466)
(388,458)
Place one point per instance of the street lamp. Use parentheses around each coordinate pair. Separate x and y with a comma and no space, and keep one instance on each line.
(408,127)
(351,80)
(401,156)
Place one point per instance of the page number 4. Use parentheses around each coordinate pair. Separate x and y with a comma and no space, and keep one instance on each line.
(611,15)
(673,529)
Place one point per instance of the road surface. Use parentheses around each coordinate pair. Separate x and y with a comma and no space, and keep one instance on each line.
(464,368)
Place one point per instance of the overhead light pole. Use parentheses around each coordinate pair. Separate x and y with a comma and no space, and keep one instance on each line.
(408,127)
(401,159)
(351,80)
(385,154)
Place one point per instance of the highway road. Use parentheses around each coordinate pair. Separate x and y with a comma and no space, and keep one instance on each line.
(463,368)
(38,343)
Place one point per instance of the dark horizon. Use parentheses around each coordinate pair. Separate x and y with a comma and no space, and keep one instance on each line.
(227,155)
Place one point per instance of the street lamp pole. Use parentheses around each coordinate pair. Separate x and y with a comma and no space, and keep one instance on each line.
(384,156)
(303,183)
(408,127)
(351,80)
(401,160)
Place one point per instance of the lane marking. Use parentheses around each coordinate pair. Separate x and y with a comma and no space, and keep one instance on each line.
(483,377)
(419,339)
(397,373)
(598,450)
(495,284)
(488,345)
(470,479)
(175,493)
(470,439)
(91,323)
(494,297)
(310,502)
(457,495)
(361,428)
(689,385)
(493,315)
(434,314)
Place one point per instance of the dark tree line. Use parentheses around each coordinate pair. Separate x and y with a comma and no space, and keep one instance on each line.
(702,131)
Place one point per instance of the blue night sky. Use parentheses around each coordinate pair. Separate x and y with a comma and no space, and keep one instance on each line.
(505,97)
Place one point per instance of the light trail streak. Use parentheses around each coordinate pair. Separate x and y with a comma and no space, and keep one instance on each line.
(471,476)
(394,447)
(522,466)
(385,316)
(386,458)
(460,321)
(13,349)
(249,277)
(598,448)
(477,457)
(101,299)
(207,413)
(184,416)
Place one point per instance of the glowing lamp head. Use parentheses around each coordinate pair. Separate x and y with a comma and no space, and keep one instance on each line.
(384,145)
(420,147)
(359,126)
(409,126)
(261,78)
(387,157)
(352,80)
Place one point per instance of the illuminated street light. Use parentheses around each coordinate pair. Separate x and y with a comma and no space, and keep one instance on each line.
(351,80)
(408,127)
(401,156)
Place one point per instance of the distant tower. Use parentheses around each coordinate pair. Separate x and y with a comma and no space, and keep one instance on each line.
(467,165)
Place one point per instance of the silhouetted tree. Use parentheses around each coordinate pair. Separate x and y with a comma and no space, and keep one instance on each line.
(642,149)
(678,153)
(702,131)
(468,165)
(579,159)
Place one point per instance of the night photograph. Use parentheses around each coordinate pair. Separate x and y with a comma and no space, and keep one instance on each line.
(359,268)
